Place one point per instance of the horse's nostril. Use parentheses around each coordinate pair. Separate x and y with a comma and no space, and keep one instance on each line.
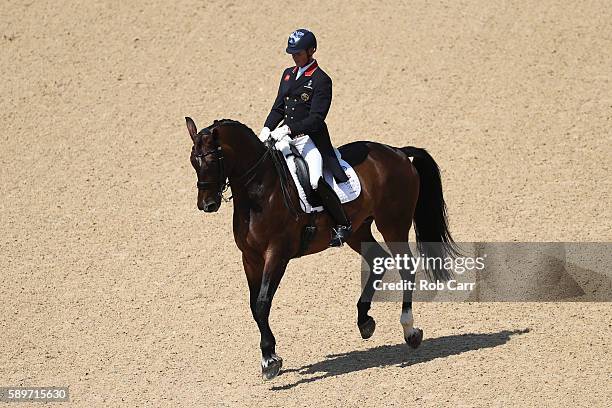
(209,207)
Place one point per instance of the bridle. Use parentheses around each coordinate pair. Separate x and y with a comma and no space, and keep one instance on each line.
(221,184)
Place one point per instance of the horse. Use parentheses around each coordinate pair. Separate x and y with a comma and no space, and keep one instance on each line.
(268,229)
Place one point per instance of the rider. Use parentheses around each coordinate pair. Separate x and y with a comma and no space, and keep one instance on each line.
(303,100)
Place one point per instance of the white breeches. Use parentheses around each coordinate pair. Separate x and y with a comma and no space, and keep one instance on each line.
(315,162)
(310,153)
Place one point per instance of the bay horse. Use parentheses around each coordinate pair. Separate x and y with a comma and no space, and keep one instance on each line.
(267,230)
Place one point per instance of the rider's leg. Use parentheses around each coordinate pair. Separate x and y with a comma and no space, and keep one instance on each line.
(328,196)
(332,204)
(315,162)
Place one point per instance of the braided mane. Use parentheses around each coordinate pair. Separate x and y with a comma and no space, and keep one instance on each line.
(224,122)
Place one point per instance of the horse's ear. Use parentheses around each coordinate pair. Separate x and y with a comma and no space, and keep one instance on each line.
(191,127)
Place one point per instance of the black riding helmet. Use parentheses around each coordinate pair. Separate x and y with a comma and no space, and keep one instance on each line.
(300,39)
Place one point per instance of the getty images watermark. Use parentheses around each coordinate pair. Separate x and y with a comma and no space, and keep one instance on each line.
(410,264)
(488,271)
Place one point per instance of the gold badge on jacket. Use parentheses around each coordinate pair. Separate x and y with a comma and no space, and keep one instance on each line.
(305,96)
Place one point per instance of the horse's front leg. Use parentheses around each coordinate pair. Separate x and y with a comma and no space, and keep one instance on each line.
(264,276)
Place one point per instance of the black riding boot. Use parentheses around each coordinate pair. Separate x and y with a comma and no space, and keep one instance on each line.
(332,204)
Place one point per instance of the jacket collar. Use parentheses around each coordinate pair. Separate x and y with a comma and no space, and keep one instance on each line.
(311,68)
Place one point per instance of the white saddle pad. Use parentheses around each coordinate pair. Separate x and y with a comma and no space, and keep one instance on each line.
(347,191)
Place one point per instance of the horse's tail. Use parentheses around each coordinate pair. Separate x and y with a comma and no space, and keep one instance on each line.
(434,240)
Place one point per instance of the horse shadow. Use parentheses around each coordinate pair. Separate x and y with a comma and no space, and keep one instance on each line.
(399,355)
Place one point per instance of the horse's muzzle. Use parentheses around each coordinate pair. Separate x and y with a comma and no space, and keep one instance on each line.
(209,206)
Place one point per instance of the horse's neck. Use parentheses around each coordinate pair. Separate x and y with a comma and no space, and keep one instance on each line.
(248,175)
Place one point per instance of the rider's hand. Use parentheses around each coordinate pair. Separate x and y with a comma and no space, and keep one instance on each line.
(278,134)
(264,134)
(283,145)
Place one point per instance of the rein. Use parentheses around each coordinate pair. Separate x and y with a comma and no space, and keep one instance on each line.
(284,183)
(253,167)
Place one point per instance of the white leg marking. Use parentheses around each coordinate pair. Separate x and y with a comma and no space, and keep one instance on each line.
(407,322)
(265,363)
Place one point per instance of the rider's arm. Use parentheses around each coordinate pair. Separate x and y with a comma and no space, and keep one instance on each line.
(321,102)
(278,108)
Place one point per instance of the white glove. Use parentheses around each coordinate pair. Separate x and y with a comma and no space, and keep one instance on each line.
(278,134)
(283,145)
(264,134)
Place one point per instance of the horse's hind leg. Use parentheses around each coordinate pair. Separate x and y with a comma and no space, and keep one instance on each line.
(363,234)
(396,229)
(412,335)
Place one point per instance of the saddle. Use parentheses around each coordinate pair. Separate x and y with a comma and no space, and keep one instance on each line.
(298,167)
(301,171)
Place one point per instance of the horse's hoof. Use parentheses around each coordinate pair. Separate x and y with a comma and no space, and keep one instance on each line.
(414,338)
(367,328)
(271,367)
